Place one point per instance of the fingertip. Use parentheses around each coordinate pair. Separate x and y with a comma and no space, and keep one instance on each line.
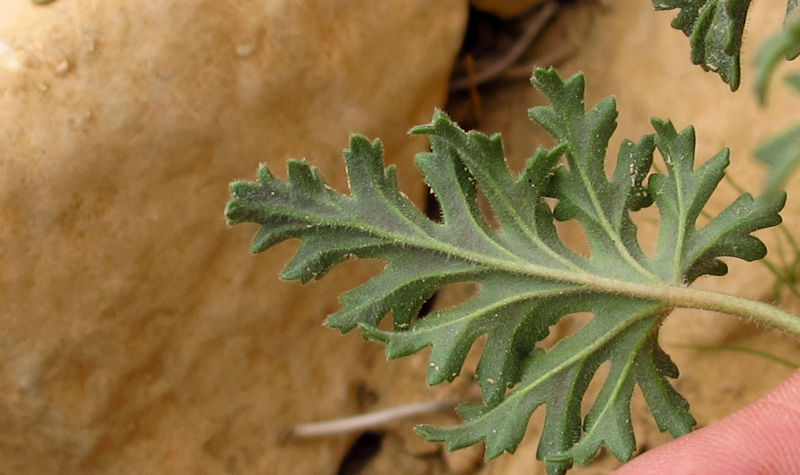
(761,439)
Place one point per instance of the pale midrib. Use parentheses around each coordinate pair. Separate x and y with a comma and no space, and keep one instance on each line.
(620,382)
(533,236)
(596,344)
(494,306)
(676,267)
(511,210)
(670,294)
(598,210)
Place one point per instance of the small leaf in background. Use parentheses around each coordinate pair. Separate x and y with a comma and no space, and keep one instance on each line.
(528,278)
(781,153)
(783,45)
(715,29)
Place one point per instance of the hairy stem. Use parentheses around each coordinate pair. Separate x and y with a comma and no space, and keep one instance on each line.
(751,309)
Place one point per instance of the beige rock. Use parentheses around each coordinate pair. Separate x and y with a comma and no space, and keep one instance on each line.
(139,336)
(505,8)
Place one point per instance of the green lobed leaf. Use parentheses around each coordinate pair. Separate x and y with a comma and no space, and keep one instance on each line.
(715,29)
(782,154)
(528,278)
(783,45)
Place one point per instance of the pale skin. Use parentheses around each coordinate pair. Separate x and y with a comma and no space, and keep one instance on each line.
(761,439)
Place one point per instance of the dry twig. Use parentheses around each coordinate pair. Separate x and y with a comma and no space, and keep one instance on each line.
(364,422)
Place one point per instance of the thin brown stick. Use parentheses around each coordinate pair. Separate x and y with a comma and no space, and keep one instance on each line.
(474,95)
(532,29)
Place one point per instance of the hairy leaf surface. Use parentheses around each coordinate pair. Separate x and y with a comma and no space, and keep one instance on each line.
(715,29)
(528,278)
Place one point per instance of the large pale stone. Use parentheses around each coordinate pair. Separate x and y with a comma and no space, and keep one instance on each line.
(138,334)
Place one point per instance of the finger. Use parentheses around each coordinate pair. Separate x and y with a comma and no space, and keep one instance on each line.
(761,439)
